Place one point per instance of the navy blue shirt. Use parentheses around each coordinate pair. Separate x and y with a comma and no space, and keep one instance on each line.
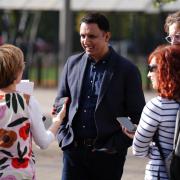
(84,124)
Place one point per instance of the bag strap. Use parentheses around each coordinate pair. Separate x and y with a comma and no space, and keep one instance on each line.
(176,145)
(177,126)
(155,139)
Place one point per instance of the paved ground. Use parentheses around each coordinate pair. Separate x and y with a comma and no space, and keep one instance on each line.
(49,162)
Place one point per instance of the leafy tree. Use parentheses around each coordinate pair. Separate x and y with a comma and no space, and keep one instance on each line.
(160,2)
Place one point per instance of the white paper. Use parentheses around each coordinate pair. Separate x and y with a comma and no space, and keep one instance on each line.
(25,86)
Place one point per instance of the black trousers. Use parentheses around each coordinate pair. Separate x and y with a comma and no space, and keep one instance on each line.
(81,163)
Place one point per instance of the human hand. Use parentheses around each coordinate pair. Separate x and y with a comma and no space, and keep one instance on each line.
(58,119)
(61,115)
(128,133)
(58,106)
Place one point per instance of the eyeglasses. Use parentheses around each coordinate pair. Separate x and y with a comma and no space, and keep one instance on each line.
(174,38)
(152,68)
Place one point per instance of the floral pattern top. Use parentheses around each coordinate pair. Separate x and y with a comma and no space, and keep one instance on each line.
(17,128)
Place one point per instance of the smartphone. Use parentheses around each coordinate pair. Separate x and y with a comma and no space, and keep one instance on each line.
(59,105)
(126,122)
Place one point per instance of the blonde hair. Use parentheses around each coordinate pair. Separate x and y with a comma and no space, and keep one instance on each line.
(171,19)
(11,64)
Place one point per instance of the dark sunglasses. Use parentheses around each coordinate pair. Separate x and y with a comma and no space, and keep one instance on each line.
(152,68)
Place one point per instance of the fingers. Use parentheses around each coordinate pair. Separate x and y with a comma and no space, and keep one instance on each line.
(54,111)
(62,113)
(67,100)
(128,133)
(65,105)
(61,104)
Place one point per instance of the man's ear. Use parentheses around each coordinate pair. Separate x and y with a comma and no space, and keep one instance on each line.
(107,36)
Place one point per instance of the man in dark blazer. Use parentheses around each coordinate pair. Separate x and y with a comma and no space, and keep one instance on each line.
(101,85)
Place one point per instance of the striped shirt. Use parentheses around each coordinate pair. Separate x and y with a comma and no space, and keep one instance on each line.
(159,114)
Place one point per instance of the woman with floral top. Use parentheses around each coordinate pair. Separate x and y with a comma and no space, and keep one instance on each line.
(20,120)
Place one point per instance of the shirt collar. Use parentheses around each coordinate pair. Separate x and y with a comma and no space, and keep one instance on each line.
(104,60)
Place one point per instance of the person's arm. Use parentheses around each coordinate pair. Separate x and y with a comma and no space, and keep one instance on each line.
(63,91)
(146,129)
(128,133)
(41,136)
(58,119)
(134,96)
(63,88)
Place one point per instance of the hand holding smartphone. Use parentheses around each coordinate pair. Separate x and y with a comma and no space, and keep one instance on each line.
(57,108)
(126,122)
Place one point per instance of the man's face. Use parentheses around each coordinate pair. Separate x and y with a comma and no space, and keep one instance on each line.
(93,40)
(174,33)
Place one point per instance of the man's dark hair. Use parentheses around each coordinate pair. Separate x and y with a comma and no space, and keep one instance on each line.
(98,19)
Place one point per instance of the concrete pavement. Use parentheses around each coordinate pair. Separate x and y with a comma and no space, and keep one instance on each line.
(49,162)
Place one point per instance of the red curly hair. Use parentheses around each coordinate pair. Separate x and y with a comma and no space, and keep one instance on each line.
(168,70)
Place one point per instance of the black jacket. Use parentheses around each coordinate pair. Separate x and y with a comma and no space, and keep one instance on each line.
(120,95)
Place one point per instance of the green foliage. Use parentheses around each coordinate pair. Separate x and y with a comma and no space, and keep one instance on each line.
(78,18)
(45,76)
(158,3)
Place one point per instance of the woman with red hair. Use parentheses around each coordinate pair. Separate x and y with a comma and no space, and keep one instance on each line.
(159,114)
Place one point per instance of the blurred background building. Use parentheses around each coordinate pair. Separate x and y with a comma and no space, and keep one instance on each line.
(48,31)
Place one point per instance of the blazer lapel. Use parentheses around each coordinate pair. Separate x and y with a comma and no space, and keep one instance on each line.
(81,71)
